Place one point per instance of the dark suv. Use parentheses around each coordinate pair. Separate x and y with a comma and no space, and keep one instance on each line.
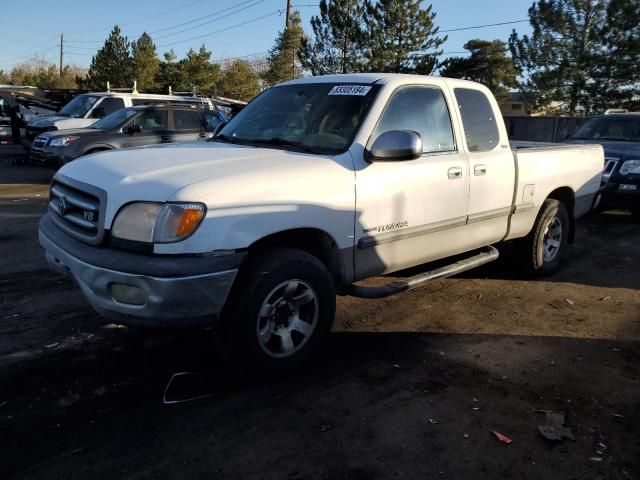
(128,127)
(619,135)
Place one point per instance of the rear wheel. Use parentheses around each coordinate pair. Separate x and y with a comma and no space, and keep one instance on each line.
(281,308)
(542,251)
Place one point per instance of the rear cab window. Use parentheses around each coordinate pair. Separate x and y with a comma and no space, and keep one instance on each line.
(478,120)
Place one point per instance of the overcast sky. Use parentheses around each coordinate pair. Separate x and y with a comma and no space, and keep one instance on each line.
(249,26)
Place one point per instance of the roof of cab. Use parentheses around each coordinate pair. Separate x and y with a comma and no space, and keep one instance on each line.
(370,78)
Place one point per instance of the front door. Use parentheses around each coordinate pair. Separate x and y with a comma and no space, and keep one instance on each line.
(154,128)
(412,212)
(187,126)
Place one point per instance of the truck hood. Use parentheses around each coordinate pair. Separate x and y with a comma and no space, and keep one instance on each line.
(158,172)
(62,123)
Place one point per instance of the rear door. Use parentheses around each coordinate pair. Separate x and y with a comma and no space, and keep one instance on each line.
(491,165)
(187,126)
(154,125)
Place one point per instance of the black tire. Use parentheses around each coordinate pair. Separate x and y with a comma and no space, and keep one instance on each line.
(530,250)
(258,286)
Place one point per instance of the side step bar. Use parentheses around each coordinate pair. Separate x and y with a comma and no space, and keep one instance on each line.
(487,255)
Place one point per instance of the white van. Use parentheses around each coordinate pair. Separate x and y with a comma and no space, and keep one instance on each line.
(87,108)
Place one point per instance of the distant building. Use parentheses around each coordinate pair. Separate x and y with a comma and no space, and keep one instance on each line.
(515,106)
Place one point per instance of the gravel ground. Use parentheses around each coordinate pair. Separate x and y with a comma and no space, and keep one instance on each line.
(409,386)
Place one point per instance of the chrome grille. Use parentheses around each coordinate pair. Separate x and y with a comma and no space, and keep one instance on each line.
(609,166)
(39,143)
(76,211)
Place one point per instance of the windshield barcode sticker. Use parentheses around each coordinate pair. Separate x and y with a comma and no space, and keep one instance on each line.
(359,90)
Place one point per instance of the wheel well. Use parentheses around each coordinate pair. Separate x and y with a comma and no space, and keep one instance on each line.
(566,196)
(314,241)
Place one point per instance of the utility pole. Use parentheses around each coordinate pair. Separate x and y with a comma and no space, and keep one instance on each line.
(61,52)
(286,21)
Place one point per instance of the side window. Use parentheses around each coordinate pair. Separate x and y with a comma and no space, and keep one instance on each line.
(106,106)
(478,120)
(211,120)
(186,120)
(151,120)
(423,110)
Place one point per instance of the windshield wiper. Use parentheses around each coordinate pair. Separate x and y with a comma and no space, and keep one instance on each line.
(282,142)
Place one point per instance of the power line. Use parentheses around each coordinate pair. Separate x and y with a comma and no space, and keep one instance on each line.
(146,18)
(222,30)
(201,18)
(481,26)
(211,21)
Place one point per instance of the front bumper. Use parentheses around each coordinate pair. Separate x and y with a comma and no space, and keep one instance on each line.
(51,156)
(613,197)
(169,299)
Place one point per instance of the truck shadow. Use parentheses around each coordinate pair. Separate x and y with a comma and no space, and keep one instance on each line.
(366,396)
(606,253)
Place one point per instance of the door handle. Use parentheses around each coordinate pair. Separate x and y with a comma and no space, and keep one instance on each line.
(479,170)
(165,138)
(454,173)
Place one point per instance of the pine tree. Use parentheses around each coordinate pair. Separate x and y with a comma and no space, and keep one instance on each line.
(283,63)
(338,39)
(169,74)
(488,64)
(198,71)
(112,64)
(561,57)
(145,62)
(239,81)
(401,37)
(616,82)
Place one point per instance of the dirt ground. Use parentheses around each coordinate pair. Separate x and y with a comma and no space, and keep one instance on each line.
(410,386)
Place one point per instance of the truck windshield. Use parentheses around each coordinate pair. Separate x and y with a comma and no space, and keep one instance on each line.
(79,106)
(609,128)
(315,118)
(115,119)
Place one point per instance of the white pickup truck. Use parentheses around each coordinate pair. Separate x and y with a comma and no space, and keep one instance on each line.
(317,184)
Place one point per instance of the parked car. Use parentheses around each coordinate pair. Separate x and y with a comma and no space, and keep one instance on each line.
(619,135)
(316,184)
(128,127)
(86,109)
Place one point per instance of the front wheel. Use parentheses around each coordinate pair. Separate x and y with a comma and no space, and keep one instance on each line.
(542,251)
(281,308)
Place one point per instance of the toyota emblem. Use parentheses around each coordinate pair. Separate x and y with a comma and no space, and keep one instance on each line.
(61,203)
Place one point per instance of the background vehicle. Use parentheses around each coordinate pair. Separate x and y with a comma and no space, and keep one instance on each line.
(316,184)
(619,135)
(18,105)
(85,109)
(128,127)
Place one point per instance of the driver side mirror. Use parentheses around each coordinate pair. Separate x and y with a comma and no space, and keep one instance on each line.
(396,145)
(133,129)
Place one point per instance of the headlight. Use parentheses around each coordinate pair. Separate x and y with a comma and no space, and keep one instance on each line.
(62,141)
(157,222)
(630,166)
